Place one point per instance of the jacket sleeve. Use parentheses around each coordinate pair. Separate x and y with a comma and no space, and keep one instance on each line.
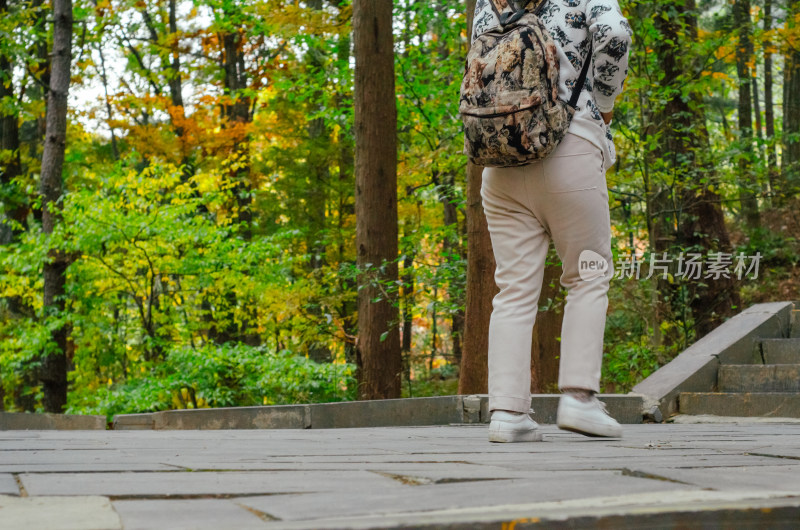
(611,38)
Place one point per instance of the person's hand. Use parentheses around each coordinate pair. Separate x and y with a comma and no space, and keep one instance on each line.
(607,116)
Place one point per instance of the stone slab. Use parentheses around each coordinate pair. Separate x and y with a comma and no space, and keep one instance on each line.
(785,475)
(439,410)
(191,514)
(134,422)
(8,485)
(733,342)
(58,467)
(707,461)
(274,417)
(86,457)
(10,421)
(690,419)
(780,351)
(759,378)
(772,404)
(57,513)
(132,485)
(675,509)
(539,487)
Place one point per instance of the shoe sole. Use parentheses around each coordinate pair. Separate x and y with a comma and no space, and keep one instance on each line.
(588,433)
(527,436)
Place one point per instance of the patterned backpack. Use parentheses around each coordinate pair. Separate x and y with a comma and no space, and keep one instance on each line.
(509,95)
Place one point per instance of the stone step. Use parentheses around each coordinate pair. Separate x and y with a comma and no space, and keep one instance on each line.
(780,351)
(752,404)
(437,410)
(759,378)
(22,421)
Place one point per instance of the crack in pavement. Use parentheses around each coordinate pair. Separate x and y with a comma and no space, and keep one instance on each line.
(773,456)
(264,516)
(642,474)
(411,480)
(192,496)
(22,491)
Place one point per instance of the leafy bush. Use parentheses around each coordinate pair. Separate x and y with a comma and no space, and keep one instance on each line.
(220,376)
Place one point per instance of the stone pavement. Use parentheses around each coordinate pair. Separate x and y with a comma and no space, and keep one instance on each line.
(657,476)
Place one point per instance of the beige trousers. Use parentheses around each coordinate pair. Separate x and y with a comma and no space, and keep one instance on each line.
(564,198)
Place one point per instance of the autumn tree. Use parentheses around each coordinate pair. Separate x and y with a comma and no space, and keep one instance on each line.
(769,105)
(790,160)
(686,209)
(748,188)
(378,348)
(54,362)
(15,207)
(481,287)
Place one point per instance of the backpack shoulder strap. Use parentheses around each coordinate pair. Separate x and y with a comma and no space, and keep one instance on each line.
(576,91)
(511,13)
(507,14)
(497,10)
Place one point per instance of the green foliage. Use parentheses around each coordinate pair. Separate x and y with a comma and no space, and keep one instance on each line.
(219,376)
(157,267)
(629,362)
(776,248)
(442,382)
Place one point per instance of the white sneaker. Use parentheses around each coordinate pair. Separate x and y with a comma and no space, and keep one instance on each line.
(513,427)
(586,417)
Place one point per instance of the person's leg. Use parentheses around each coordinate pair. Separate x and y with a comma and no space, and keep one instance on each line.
(519,243)
(572,200)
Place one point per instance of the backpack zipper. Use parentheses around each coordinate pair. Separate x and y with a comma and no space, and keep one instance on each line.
(498,114)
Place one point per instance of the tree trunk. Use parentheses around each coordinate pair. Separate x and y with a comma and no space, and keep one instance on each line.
(319,141)
(54,362)
(174,69)
(348,310)
(546,349)
(17,205)
(378,348)
(36,90)
(757,113)
(769,106)
(408,312)
(790,159)
(699,220)
(481,288)
(748,185)
(451,248)
(13,199)
(238,116)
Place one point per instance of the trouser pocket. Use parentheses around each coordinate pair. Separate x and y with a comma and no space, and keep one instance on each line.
(574,171)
